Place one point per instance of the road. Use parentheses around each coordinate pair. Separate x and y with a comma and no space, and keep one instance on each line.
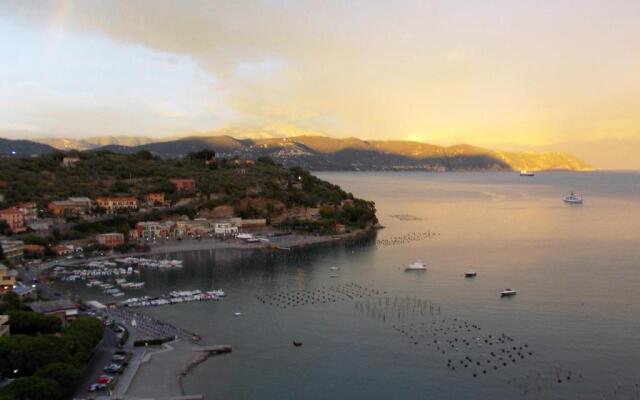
(101,358)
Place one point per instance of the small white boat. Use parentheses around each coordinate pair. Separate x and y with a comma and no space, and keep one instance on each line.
(573,198)
(238,314)
(416,266)
(333,276)
(508,292)
(334,268)
(525,172)
(470,274)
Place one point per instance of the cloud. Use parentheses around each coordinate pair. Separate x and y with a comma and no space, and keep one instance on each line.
(521,73)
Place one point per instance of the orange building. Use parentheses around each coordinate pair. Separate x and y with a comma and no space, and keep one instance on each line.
(110,240)
(34,250)
(184,185)
(72,207)
(14,218)
(115,204)
(154,198)
(29,209)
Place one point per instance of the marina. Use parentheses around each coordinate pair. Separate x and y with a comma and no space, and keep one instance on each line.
(175,297)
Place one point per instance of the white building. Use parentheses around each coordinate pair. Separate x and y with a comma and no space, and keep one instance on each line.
(225,229)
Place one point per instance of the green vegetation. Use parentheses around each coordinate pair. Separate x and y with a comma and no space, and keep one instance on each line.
(44,358)
(260,189)
(30,323)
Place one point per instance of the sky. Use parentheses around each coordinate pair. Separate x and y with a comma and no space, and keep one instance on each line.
(512,75)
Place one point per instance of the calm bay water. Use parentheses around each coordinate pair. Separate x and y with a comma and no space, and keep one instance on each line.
(576,269)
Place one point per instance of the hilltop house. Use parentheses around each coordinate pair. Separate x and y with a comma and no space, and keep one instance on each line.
(116,204)
(69,161)
(14,218)
(184,185)
(154,199)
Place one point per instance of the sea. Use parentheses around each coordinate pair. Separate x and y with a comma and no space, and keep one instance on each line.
(371,330)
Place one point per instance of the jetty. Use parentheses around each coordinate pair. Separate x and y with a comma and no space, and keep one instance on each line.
(214,350)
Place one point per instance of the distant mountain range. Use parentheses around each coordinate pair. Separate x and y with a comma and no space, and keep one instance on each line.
(94,142)
(322,153)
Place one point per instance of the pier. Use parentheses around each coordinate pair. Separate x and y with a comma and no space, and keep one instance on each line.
(213,350)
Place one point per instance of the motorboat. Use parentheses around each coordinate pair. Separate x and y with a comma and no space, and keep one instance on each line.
(470,274)
(573,198)
(238,314)
(334,268)
(416,266)
(508,292)
(525,172)
(297,344)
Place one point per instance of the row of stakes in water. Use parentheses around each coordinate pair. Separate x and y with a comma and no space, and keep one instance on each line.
(406,238)
(322,295)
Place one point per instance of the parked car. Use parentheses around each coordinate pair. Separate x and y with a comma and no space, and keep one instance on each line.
(104,379)
(97,386)
(118,357)
(113,368)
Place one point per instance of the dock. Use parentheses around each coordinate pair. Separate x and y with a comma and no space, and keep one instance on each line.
(213,350)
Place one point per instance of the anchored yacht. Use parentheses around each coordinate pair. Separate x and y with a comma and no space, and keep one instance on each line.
(508,292)
(573,198)
(416,266)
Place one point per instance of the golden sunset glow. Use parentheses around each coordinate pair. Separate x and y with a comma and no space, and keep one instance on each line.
(509,75)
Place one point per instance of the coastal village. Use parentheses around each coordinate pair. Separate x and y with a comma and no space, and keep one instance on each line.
(100,218)
(80,225)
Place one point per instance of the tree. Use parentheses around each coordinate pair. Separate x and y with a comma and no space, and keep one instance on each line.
(4,229)
(32,323)
(34,388)
(65,374)
(204,155)
(10,301)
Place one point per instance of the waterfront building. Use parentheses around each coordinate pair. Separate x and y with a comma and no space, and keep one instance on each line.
(13,250)
(7,278)
(66,310)
(225,229)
